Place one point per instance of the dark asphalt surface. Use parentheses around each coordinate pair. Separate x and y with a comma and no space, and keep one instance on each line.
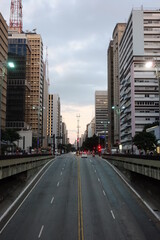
(110,211)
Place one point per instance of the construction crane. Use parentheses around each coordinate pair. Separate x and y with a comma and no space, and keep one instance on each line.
(15,22)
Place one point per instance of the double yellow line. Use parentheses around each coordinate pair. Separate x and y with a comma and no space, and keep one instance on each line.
(80,210)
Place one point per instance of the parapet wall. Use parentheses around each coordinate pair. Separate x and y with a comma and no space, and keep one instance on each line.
(150,168)
(14,166)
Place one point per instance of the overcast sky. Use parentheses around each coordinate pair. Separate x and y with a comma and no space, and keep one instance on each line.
(77,34)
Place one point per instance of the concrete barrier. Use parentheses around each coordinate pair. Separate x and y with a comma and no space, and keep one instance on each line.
(14,166)
(150,168)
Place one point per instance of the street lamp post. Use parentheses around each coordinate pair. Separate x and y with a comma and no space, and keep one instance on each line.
(3,66)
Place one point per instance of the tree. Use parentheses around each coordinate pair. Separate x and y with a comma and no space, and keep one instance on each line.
(90,143)
(145,141)
(9,136)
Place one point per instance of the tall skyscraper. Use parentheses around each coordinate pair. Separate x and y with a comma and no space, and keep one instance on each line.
(117,35)
(3,69)
(114,85)
(101,113)
(45,107)
(18,87)
(37,83)
(139,95)
(53,122)
(110,96)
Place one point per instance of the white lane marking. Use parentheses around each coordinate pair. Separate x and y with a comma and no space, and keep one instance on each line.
(112,214)
(98,180)
(58,184)
(52,200)
(90,160)
(134,191)
(61,173)
(104,193)
(95,171)
(40,233)
(16,200)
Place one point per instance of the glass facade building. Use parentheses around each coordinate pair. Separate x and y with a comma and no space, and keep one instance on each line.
(18,90)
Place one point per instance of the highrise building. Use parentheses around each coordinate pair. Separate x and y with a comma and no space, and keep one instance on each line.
(53,121)
(110,96)
(91,128)
(114,85)
(36,100)
(18,87)
(45,107)
(101,113)
(139,95)
(64,133)
(3,70)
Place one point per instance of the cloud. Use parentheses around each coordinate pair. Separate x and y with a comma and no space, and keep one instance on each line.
(77,33)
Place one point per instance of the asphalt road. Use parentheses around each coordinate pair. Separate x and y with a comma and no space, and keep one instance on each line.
(79,199)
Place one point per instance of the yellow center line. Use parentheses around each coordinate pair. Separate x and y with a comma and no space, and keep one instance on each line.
(80,209)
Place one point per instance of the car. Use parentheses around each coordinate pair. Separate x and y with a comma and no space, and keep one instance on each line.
(84,155)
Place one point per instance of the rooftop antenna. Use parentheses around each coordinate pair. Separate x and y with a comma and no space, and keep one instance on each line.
(15,22)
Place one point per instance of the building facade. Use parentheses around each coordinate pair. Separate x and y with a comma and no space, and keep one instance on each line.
(18,87)
(45,107)
(53,121)
(139,91)
(101,114)
(117,35)
(91,128)
(110,96)
(3,69)
(37,86)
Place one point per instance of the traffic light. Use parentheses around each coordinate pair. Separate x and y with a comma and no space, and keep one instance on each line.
(99,148)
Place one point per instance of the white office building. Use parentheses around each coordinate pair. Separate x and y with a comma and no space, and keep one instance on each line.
(53,122)
(139,97)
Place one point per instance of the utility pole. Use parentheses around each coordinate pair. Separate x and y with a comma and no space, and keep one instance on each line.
(78,117)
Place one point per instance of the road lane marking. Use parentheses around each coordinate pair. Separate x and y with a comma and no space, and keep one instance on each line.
(58,184)
(61,173)
(98,180)
(133,190)
(80,208)
(112,214)
(95,170)
(52,200)
(40,233)
(104,193)
(16,200)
